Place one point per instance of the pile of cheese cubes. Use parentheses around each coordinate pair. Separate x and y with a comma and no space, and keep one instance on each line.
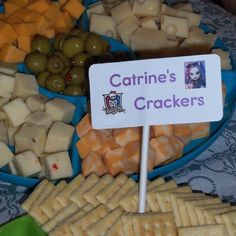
(38,128)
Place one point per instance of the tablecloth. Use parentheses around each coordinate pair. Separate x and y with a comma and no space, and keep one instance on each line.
(213,171)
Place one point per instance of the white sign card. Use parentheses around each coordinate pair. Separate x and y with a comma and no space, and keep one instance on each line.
(156,91)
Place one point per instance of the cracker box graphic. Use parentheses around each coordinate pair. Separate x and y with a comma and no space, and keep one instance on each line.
(113,103)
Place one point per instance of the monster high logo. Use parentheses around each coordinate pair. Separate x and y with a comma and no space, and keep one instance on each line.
(113,103)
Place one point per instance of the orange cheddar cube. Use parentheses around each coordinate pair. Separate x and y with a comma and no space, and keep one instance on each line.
(126,135)
(114,161)
(8,32)
(2,41)
(178,146)
(67,19)
(111,141)
(74,8)
(10,7)
(84,126)
(23,29)
(12,19)
(53,13)
(166,130)
(83,147)
(2,16)
(24,43)
(183,132)
(22,13)
(93,164)
(20,3)
(61,3)
(12,54)
(199,130)
(107,132)
(104,149)
(163,149)
(39,5)
(49,33)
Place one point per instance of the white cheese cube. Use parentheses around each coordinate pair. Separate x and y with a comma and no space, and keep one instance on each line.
(103,25)
(11,131)
(121,12)
(7,68)
(60,110)
(224,58)
(7,85)
(31,137)
(175,26)
(193,18)
(16,111)
(145,39)
(183,7)
(40,118)
(3,101)
(3,132)
(27,164)
(12,168)
(97,8)
(36,102)
(5,154)
(59,137)
(149,22)
(58,166)
(25,86)
(147,8)
(126,28)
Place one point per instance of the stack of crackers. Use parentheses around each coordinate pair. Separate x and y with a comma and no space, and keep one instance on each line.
(108,206)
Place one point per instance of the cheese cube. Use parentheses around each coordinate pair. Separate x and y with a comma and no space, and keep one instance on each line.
(60,110)
(7,68)
(224,58)
(58,165)
(11,131)
(121,12)
(97,8)
(31,137)
(149,22)
(5,154)
(175,26)
(36,102)
(7,85)
(3,101)
(183,7)
(103,25)
(3,132)
(147,8)
(59,137)
(26,85)
(12,168)
(40,118)
(145,39)
(126,28)
(27,164)
(16,111)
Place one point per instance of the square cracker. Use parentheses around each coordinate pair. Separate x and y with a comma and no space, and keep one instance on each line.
(230,222)
(116,229)
(127,226)
(154,224)
(206,230)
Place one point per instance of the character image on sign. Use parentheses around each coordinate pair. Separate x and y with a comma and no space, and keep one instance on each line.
(113,103)
(195,75)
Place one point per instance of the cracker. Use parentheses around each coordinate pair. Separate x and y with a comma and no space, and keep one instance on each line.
(219,218)
(165,186)
(230,222)
(104,195)
(199,211)
(90,195)
(127,226)
(211,213)
(50,207)
(61,215)
(35,211)
(88,207)
(125,188)
(100,227)
(116,229)
(77,195)
(155,183)
(28,203)
(190,208)
(80,225)
(175,208)
(64,196)
(206,230)
(154,224)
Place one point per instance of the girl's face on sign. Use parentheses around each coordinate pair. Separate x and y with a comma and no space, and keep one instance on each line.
(194,73)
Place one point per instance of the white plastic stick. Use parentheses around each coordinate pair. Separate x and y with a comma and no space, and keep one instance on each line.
(143,169)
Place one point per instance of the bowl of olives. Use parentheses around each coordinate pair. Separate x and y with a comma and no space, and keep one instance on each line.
(61,64)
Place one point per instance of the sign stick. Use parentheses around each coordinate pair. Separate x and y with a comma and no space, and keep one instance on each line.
(143,169)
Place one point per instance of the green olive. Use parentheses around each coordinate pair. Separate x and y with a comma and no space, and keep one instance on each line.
(72,46)
(41,78)
(73,90)
(76,31)
(55,64)
(55,83)
(83,35)
(58,41)
(40,44)
(82,59)
(65,71)
(59,53)
(94,45)
(36,62)
(75,76)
